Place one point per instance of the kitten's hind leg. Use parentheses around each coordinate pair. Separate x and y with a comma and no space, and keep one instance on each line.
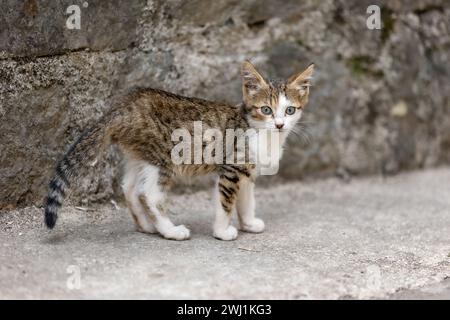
(246,208)
(140,217)
(151,193)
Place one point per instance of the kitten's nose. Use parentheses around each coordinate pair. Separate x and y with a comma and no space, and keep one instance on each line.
(279,126)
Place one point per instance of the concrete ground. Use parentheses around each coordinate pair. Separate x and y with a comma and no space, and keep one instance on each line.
(370,238)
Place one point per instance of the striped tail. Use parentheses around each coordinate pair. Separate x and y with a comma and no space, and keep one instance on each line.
(56,195)
(74,163)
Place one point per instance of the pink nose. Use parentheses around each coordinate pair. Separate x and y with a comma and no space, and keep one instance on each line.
(279,126)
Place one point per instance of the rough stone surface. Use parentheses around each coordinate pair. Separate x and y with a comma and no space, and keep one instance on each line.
(370,238)
(38,28)
(379,104)
(439,291)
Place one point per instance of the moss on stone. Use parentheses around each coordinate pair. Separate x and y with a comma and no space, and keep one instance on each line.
(362,66)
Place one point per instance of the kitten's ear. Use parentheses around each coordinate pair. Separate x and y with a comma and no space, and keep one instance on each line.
(301,81)
(252,81)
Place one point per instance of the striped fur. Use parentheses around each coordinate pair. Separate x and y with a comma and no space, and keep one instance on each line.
(141,124)
(74,163)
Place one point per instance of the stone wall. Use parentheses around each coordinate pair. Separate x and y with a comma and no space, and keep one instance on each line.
(380,101)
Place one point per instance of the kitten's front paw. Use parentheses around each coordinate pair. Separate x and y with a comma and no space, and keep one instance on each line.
(230,233)
(177,233)
(254,226)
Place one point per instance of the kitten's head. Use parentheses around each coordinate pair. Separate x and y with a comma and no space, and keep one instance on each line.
(274,104)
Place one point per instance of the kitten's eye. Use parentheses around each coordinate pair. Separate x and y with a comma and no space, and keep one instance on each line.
(266,110)
(290,110)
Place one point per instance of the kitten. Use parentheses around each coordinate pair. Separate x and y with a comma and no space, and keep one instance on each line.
(142,122)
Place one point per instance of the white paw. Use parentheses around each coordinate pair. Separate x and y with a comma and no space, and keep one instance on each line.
(177,233)
(255,226)
(230,233)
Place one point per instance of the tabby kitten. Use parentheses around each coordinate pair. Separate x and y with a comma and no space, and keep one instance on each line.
(142,122)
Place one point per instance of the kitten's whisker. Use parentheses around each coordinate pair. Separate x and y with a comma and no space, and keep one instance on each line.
(306,122)
(305,131)
(303,135)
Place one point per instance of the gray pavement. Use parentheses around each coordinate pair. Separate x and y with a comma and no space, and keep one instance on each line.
(370,238)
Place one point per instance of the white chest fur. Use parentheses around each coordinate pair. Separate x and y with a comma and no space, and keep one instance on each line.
(266,149)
